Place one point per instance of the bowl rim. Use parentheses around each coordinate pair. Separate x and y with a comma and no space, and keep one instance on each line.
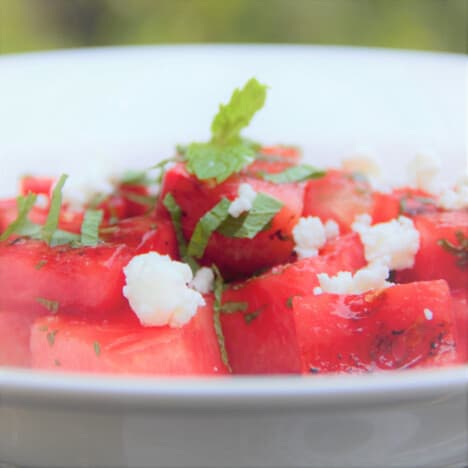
(37,387)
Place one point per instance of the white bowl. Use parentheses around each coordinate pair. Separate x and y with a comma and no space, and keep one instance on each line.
(61,110)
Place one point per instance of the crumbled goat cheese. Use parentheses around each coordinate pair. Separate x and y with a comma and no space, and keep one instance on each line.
(81,189)
(156,288)
(203,280)
(309,235)
(371,277)
(424,172)
(317,291)
(244,201)
(332,229)
(428,314)
(394,243)
(456,198)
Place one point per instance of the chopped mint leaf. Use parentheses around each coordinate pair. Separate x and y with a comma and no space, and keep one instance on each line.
(218,289)
(289,302)
(51,223)
(25,205)
(295,174)
(211,161)
(176,217)
(206,225)
(51,337)
(135,178)
(231,307)
(238,113)
(90,227)
(249,224)
(97,348)
(40,264)
(149,201)
(51,306)
(252,316)
(63,237)
(460,251)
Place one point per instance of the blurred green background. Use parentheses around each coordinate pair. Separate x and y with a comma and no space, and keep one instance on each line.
(30,25)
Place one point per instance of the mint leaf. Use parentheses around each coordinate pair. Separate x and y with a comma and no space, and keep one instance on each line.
(206,225)
(238,113)
(294,174)
(51,223)
(51,306)
(249,224)
(90,227)
(25,205)
(460,251)
(231,307)
(176,217)
(211,161)
(97,348)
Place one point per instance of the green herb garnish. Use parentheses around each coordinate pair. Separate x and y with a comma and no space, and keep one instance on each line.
(218,289)
(25,205)
(206,225)
(299,173)
(51,223)
(40,264)
(460,251)
(97,348)
(249,224)
(252,316)
(231,307)
(176,217)
(51,306)
(90,227)
(51,337)
(227,153)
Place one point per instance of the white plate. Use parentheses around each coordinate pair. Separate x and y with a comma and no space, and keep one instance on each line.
(60,110)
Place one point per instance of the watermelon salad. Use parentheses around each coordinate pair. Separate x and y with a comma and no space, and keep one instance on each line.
(233,257)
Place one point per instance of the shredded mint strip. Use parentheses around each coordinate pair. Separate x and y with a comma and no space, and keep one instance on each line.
(206,225)
(176,217)
(460,251)
(231,307)
(218,290)
(227,153)
(249,224)
(90,227)
(294,174)
(51,223)
(51,306)
(25,205)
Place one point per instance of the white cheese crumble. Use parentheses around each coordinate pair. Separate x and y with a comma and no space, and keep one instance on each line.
(456,198)
(156,288)
(371,277)
(81,189)
(332,229)
(394,243)
(428,314)
(203,280)
(310,235)
(424,172)
(243,202)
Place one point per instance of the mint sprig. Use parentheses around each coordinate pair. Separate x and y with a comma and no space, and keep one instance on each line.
(227,153)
